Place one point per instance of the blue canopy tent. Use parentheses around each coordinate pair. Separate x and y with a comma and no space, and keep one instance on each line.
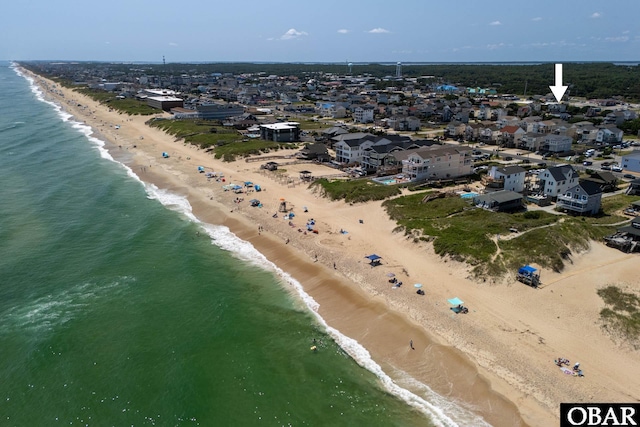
(374,259)
(165,154)
(457,305)
(200,169)
(248,184)
(257,187)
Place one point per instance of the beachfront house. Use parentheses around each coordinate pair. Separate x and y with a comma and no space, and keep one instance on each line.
(436,162)
(350,148)
(557,180)
(582,199)
(506,178)
(500,201)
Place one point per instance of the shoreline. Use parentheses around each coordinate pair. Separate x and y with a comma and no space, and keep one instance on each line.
(492,343)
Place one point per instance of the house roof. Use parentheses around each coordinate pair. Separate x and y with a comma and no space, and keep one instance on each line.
(511,129)
(511,170)
(562,172)
(503,196)
(590,187)
(348,136)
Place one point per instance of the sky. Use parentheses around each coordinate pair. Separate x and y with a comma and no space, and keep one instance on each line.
(321,31)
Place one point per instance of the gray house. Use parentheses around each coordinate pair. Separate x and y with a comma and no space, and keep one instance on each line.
(500,201)
(582,199)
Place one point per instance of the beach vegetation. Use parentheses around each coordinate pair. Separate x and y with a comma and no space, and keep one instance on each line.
(226,143)
(354,191)
(621,316)
(496,243)
(129,106)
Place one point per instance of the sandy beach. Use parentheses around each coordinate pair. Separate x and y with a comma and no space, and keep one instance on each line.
(498,359)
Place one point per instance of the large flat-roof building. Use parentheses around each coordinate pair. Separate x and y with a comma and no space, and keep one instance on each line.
(219,111)
(164,102)
(281,132)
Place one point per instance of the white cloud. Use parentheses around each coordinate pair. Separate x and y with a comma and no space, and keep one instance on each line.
(379,31)
(293,34)
(107,42)
(494,23)
(343,31)
(596,15)
(173,44)
(536,19)
(617,39)
(495,46)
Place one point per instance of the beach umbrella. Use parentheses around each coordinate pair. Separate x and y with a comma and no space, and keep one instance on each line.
(417,285)
(391,275)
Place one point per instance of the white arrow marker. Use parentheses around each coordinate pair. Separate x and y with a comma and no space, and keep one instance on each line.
(558,90)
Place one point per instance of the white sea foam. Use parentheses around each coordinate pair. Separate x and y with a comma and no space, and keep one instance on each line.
(53,310)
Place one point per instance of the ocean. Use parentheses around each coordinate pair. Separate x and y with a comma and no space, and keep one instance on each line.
(119,307)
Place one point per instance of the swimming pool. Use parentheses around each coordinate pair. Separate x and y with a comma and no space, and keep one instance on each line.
(469,195)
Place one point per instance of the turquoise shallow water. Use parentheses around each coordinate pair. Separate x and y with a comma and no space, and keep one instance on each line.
(117,309)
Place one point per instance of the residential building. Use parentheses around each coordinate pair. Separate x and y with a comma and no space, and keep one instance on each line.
(556,143)
(436,162)
(609,134)
(500,201)
(512,135)
(583,198)
(557,180)
(506,178)
(363,114)
(350,148)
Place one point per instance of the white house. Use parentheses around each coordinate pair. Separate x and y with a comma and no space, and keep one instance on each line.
(352,150)
(510,177)
(363,114)
(557,180)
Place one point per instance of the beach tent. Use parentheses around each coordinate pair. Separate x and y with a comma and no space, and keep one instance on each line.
(257,187)
(254,202)
(248,184)
(200,169)
(165,154)
(374,259)
(455,301)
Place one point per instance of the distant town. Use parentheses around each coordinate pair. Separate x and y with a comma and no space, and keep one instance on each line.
(402,129)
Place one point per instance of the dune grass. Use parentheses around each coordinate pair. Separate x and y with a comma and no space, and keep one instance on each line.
(484,239)
(621,316)
(353,191)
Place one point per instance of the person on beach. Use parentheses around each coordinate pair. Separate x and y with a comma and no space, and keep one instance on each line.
(411,344)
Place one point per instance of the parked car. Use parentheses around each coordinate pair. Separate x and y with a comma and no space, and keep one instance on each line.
(629,176)
(616,168)
(508,158)
(605,167)
(587,163)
